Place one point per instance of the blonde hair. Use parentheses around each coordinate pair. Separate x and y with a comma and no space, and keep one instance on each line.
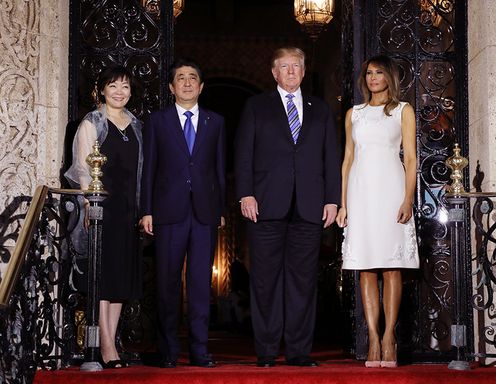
(392,76)
(287,51)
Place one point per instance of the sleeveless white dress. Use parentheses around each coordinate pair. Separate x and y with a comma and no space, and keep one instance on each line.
(376,189)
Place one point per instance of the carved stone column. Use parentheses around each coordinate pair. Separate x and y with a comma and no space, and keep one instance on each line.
(34,39)
(482,121)
(482,86)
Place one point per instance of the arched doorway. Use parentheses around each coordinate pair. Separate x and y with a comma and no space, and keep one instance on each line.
(233,42)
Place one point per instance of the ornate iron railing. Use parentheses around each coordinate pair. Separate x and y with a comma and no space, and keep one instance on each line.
(484,273)
(475,306)
(473,298)
(38,302)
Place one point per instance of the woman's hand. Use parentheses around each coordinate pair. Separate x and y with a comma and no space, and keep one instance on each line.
(341,217)
(405,212)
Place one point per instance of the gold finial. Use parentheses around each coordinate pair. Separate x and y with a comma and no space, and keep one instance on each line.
(95,160)
(456,163)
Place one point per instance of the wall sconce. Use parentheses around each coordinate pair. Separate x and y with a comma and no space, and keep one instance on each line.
(314,15)
(153,7)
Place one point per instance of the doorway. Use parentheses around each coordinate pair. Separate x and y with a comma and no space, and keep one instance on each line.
(233,42)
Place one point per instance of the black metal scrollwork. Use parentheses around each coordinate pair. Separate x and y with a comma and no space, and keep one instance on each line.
(484,272)
(139,35)
(123,32)
(37,328)
(422,36)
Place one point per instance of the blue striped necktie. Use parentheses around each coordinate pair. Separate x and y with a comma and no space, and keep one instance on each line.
(189,131)
(294,121)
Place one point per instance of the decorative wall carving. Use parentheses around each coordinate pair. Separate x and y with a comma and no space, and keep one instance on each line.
(33,54)
(19,44)
(482,134)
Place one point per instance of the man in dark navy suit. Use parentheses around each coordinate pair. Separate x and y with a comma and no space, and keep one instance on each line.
(288,184)
(183,196)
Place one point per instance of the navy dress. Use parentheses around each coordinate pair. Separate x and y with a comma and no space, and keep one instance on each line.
(120,265)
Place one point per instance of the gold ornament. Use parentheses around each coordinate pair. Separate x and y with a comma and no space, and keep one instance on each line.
(96,160)
(456,163)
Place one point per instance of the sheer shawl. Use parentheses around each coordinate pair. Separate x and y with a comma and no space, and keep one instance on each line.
(95,127)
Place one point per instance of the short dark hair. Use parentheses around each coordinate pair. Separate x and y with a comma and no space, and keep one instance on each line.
(111,74)
(184,62)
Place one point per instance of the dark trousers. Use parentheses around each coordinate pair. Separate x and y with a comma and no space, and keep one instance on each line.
(283,276)
(173,242)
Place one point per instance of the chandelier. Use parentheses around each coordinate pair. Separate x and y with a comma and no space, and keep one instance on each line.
(153,7)
(314,15)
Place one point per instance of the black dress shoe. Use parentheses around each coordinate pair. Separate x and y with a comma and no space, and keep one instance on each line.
(266,362)
(168,364)
(112,364)
(205,361)
(302,361)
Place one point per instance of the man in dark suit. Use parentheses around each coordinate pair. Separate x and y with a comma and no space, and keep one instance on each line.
(182,198)
(288,183)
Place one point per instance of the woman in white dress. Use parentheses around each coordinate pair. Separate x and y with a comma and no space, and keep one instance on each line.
(377,198)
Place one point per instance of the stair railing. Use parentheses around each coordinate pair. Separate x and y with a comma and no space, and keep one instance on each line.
(473,298)
(38,297)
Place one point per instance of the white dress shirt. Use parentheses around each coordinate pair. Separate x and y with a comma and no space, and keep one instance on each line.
(182,117)
(297,100)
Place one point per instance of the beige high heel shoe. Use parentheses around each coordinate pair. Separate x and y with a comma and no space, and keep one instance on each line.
(389,363)
(373,363)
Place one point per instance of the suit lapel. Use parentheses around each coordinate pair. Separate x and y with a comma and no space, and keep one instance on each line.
(175,128)
(201,129)
(307,119)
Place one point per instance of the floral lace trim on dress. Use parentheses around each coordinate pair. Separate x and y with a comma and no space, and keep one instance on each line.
(358,113)
(409,250)
(345,247)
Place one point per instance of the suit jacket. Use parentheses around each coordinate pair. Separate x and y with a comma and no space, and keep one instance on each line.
(272,168)
(173,179)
